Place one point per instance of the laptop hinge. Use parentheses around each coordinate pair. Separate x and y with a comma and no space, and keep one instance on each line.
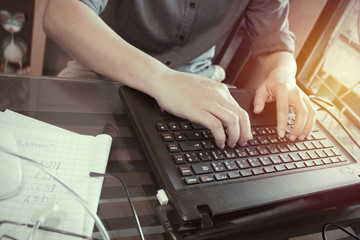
(205,216)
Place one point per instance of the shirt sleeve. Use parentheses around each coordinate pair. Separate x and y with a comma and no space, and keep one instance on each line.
(96,5)
(268,26)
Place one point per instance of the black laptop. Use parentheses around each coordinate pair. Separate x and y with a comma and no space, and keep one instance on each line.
(204,183)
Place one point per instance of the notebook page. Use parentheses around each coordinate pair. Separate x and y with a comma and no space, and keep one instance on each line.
(15,119)
(71,157)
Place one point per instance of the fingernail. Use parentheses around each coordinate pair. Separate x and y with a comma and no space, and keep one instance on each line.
(282,133)
(243,144)
(231,145)
(222,146)
(302,137)
(292,137)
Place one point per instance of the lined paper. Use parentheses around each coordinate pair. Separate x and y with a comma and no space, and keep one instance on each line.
(70,157)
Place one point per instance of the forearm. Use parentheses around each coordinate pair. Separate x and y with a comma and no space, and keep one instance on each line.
(282,63)
(78,30)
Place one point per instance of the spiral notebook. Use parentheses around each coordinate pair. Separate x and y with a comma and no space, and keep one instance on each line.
(70,156)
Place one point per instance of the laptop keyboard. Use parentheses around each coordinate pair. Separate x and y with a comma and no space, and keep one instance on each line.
(200,161)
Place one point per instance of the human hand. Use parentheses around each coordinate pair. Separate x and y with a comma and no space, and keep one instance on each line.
(203,101)
(282,88)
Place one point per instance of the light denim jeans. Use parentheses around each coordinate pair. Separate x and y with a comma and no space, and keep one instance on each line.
(201,65)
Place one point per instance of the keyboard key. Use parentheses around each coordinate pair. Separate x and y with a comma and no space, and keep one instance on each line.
(280,167)
(254,162)
(190,146)
(271,130)
(273,149)
(273,139)
(179,136)
(221,176)
(201,169)
(253,142)
(258,171)
(230,165)
(329,152)
(292,147)
(229,153)
(217,155)
(191,158)
(304,155)
(265,160)
(207,134)
(252,151)
(336,151)
(287,158)
(191,180)
(300,164)
(262,150)
(185,126)
(234,174)
(208,145)
(317,144)
(167,137)
(309,145)
(321,153)
(327,161)
(275,159)
(218,166)
(295,157)
(162,127)
(283,148)
(269,169)
(300,146)
(206,178)
(193,135)
(246,172)
(242,163)
(253,131)
(204,156)
(179,159)
(261,130)
(173,126)
(172,147)
(318,162)
(241,152)
(263,140)
(342,159)
(318,135)
(185,171)
(313,154)
(197,126)
(290,166)
(326,143)
(309,163)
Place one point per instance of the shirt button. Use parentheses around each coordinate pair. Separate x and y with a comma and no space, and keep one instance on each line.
(168,63)
(192,5)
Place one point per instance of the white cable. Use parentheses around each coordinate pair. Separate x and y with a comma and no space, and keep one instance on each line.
(97,220)
(40,216)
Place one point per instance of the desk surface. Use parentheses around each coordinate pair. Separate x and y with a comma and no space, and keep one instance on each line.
(94,107)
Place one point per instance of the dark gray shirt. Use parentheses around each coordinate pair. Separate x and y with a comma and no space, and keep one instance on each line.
(177,31)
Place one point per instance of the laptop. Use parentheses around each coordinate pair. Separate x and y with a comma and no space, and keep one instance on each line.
(206,185)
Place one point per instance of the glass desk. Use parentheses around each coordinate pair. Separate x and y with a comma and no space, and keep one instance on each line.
(93,107)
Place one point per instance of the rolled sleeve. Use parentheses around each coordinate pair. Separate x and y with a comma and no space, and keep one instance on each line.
(96,5)
(268,27)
